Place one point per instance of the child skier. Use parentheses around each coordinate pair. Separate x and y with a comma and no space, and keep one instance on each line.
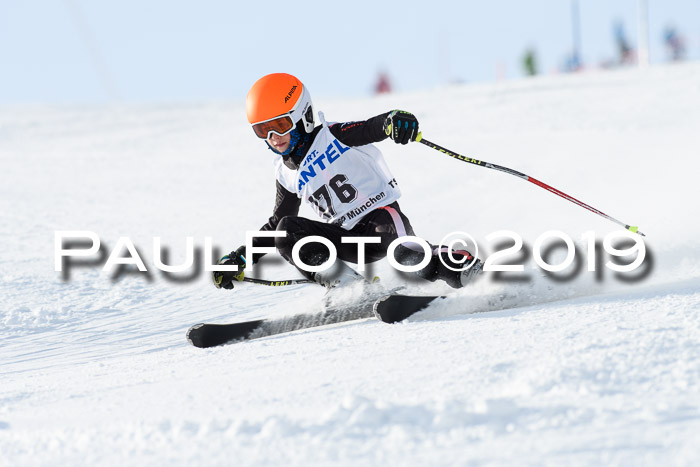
(337,170)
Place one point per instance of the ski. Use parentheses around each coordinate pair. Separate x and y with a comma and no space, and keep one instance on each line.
(206,335)
(395,308)
(390,309)
(344,305)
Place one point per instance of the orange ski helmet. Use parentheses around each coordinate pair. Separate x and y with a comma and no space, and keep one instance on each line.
(279,95)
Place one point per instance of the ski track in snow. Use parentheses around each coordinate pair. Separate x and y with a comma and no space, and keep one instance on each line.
(96,370)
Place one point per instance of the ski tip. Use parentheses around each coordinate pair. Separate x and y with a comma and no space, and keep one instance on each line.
(191,338)
(378,301)
(377,304)
(394,308)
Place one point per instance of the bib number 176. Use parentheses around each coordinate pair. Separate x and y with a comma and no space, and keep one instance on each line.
(323,200)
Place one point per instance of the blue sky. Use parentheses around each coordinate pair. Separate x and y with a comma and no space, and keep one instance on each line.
(63,51)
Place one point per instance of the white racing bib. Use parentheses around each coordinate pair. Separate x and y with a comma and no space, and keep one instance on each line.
(341,183)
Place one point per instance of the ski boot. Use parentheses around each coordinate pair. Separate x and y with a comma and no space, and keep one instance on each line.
(470,274)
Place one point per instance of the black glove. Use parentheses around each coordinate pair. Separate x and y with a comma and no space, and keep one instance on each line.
(401,126)
(224,279)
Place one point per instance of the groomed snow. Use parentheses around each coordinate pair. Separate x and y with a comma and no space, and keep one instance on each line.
(586,371)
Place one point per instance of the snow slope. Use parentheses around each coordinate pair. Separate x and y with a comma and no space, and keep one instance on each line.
(585,371)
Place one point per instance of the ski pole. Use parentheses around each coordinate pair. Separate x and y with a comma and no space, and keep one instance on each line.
(488,165)
(254,280)
(278,283)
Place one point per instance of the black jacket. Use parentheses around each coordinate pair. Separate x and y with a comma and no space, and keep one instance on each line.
(350,134)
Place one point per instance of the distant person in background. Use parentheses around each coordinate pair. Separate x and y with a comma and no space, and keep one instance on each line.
(530,63)
(675,44)
(383,84)
(624,50)
(572,63)
(338,171)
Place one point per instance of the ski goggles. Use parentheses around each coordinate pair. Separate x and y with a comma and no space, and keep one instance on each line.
(279,125)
